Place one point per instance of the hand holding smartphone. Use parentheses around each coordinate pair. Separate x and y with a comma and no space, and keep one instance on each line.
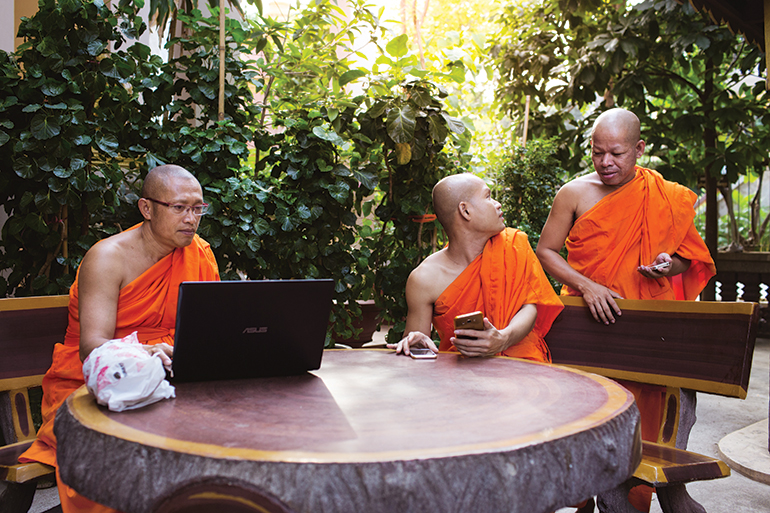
(658,267)
(469,321)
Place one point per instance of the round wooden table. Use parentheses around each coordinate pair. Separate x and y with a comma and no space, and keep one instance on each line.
(368,432)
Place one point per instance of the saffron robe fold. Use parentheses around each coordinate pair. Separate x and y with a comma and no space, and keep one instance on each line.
(632,226)
(147,305)
(505,277)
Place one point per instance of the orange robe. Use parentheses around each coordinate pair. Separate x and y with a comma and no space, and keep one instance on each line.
(628,228)
(146,305)
(505,277)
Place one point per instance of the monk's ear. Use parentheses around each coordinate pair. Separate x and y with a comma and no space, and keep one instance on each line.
(144,208)
(640,148)
(463,209)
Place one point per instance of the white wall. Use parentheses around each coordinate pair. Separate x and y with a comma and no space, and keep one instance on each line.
(7,25)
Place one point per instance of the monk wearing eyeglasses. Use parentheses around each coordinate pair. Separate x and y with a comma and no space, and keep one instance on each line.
(485,267)
(128,282)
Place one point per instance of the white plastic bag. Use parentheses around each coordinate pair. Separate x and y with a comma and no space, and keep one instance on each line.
(123,376)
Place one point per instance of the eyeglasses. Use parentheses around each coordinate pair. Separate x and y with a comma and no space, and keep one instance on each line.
(180,209)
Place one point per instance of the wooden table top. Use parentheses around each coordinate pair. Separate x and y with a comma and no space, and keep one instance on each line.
(366,410)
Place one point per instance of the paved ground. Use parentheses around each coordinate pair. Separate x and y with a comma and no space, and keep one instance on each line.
(717,417)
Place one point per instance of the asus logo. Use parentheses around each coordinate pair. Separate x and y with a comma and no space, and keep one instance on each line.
(261,329)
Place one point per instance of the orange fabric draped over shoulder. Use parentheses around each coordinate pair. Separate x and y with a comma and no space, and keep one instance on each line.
(505,277)
(147,305)
(629,228)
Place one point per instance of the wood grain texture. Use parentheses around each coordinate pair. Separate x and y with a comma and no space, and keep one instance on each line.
(703,346)
(369,431)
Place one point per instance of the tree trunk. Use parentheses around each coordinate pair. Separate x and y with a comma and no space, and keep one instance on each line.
(735,237)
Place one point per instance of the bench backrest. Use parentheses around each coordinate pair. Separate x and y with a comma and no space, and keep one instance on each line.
(700,345)
(29,328)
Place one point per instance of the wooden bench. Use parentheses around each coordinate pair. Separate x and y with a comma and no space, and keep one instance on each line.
(29,328)
(701,346)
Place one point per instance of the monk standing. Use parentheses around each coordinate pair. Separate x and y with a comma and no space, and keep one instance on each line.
(485,267)
(629,234)
(127,282)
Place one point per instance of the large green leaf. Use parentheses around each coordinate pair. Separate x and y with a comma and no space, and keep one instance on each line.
(36,222)
(401,123)
(108,143)
(438,130)
(454,124)
(328,135)
(398,46)
(51,88)
(44,127)
(351,75)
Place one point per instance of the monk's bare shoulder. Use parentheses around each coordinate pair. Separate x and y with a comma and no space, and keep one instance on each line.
(432,276)
(580,185)
(426,272)
(580,194)
(115,259)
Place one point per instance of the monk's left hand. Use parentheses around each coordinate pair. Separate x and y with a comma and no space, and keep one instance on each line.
(660,268)
(480,343)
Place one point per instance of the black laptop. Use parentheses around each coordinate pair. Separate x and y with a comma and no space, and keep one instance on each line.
(248,329)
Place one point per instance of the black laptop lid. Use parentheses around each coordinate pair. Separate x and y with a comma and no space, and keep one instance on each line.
(247,329)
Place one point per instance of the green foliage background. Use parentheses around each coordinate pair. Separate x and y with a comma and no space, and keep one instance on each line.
(294,172)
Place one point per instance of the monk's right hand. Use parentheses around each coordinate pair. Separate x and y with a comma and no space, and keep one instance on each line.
(413,339)
(601,302)
(165,352)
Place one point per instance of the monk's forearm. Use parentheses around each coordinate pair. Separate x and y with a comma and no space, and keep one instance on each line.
(520,326)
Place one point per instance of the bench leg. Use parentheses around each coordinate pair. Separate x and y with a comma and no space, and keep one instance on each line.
(687,404)
(675,499)
(616,500)
(16,497)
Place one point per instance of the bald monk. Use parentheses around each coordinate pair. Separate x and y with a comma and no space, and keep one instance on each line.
(485,267)
(127,282)
(629,234)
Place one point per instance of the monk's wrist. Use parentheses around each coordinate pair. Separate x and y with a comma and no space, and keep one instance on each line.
(511,337)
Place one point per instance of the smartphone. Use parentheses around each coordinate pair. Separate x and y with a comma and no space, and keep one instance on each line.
(470,321)
(660,266)
(422,353)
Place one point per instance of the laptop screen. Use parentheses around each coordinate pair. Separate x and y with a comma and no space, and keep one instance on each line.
(248,329)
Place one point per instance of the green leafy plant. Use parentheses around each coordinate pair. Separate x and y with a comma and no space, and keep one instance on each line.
(410,124)
(527,184)
(317,183)
(311,56)
(66,103)
(304,178)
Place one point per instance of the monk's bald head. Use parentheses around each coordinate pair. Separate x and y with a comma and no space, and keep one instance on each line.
(449,192)
(619,124)
(158,180)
